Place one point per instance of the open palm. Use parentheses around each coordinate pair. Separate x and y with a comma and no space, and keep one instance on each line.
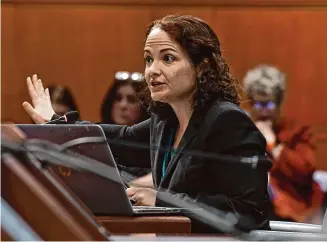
(42,110)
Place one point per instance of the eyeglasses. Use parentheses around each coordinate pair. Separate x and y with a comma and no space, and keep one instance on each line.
(270,105)
(125,75)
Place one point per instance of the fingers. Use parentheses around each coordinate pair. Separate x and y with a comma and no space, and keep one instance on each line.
(142,196)
(34,78)
(34,81)
(38,86)
(36,89)
(32,113)
(31,90)
(138,201)
(131,191)
(47,94)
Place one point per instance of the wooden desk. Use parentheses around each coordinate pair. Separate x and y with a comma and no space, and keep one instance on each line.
(146,224)
(39,208)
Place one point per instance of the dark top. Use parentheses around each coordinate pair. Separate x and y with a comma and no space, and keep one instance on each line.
(222,128)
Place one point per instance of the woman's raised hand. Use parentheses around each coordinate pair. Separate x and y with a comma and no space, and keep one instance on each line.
(42,110)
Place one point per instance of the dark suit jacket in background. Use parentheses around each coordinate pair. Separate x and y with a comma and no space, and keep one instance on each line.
(222,128)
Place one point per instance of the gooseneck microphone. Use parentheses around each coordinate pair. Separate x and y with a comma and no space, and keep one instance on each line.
(69,117)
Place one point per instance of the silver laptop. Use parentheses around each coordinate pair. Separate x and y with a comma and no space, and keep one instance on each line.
(103,196)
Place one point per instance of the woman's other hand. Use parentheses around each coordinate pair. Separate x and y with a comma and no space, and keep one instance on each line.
(42,111)
(266,129)
(142,196)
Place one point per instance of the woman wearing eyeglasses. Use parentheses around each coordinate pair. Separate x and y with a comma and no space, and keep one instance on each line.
(195,117)
(294,194)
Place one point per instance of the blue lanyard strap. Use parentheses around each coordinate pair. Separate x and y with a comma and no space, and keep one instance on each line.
(164,163)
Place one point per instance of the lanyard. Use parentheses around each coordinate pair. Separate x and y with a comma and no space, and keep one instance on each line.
(164,163)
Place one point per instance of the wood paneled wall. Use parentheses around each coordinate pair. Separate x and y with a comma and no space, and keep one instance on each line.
(79,46)
(82,43)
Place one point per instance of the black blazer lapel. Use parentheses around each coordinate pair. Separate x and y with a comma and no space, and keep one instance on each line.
(189,134)
(157,144)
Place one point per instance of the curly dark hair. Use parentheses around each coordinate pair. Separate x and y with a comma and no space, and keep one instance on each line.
(202,46)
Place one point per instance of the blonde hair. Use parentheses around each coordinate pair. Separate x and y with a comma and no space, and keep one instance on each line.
(265,79)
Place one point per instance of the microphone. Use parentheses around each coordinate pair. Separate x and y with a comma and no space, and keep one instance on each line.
(69,117)
(257,162)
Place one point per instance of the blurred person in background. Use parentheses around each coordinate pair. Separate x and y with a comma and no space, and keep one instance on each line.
(62,99)
(121,106)
(295,196)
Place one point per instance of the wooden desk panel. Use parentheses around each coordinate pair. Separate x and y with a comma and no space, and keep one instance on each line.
(37,205)
(146,224)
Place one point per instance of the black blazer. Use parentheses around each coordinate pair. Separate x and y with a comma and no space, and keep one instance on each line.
(223,128)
